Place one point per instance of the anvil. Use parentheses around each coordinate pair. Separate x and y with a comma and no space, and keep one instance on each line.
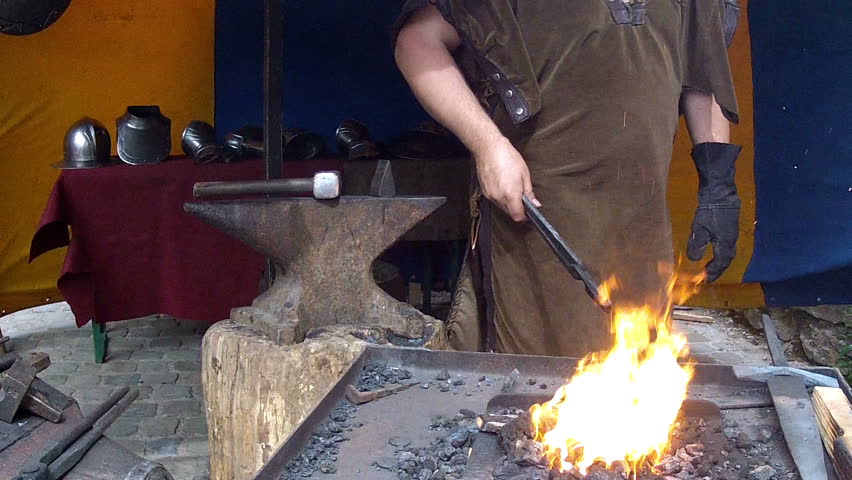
(323,251)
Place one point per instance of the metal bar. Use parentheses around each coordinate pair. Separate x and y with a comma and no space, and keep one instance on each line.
(78,449)
(273,68)
(253,187)
(57,448)
(38,401)
(795,411)
(776,349)
(14,384)
(21,430)
(799,424)
(565,254)
(273,121)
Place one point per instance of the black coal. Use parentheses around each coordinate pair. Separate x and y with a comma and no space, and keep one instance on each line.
(320,452)
(378,374)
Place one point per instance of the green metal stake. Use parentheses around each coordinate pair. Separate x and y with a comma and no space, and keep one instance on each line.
(99,337)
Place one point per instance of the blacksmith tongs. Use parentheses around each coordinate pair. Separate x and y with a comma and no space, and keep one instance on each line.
(566,255)
(71,447)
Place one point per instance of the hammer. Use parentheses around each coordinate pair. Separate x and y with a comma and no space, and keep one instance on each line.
(323,186)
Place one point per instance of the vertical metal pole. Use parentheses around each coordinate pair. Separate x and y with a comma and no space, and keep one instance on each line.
(273,67)
(273,86)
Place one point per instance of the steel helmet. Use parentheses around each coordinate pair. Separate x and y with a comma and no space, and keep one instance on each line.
(87,145)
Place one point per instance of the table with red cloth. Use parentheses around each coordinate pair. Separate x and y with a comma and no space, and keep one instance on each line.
(133,250)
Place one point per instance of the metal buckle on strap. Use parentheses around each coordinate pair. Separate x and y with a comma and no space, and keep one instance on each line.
(627,12)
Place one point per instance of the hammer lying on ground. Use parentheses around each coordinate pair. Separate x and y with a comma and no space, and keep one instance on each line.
(323,186)
(19,387)
(357,397)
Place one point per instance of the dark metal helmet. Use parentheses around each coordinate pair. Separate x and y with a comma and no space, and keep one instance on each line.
(87,145)
(143,135)
(353,138)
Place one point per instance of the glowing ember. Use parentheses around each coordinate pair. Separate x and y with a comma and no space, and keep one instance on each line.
(620,405)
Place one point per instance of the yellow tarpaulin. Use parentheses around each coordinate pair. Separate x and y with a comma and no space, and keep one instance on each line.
(98,58)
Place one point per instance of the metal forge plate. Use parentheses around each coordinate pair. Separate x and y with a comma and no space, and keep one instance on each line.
(408,414)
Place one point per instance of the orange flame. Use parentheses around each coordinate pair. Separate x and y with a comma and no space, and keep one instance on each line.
(622,404)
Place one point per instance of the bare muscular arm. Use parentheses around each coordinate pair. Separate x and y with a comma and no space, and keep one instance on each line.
(424,56)
(704,118)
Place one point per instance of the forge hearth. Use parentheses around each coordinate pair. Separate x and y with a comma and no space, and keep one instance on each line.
(699,450)
(456,386)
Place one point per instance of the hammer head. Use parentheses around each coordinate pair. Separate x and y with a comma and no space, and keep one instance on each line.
(326,185)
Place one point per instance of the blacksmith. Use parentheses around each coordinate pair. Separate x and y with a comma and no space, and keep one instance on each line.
(575,103)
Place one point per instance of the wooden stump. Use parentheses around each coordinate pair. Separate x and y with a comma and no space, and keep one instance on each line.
(256,392)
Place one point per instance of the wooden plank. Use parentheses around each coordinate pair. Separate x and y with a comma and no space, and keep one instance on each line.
(834,415)
(691,317)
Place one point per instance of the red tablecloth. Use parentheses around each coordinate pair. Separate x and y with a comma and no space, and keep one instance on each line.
(134,251)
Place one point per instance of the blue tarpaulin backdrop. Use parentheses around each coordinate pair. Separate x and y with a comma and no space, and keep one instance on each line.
(338,64)
(802,68)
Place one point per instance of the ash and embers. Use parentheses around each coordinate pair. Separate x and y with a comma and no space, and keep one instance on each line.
(700,450)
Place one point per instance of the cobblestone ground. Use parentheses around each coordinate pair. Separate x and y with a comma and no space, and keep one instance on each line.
(158,355)
(728,342)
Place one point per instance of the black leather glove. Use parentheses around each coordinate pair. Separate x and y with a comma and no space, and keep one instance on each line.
(717,219)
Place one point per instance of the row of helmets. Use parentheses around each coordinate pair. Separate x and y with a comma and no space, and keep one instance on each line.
(143,137)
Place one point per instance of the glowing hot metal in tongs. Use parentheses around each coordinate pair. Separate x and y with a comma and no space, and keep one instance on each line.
(566,255)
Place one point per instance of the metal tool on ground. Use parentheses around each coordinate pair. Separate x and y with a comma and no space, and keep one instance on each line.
(41,399)
(357,397)
(796,412)
(71,447)
(323,253)
(39,360)
(38,397)
(761,374)
(566,255)
(323,186)
(16,381)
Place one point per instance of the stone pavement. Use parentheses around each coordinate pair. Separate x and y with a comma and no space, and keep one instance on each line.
(728,342)
(158,355)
